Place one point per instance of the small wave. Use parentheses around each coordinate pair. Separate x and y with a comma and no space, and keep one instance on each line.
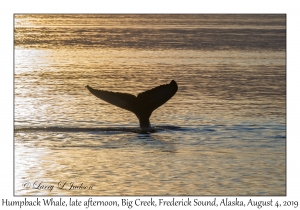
(208,129)
(99,129)
(280,137)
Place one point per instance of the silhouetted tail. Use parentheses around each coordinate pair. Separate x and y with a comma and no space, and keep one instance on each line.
(157,96)
(141,105)
(122,100)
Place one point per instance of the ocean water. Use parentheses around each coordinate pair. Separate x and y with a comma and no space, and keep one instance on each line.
(222,133)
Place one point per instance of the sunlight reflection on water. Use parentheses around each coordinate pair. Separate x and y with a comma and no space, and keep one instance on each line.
(229,109)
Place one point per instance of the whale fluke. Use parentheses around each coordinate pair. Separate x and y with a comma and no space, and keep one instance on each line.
(141,105)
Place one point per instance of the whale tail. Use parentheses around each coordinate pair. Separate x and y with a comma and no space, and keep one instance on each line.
(141,105)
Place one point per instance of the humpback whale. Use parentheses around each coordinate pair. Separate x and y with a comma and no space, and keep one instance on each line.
(141,105)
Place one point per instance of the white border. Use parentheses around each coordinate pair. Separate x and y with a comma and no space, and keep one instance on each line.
(9,7)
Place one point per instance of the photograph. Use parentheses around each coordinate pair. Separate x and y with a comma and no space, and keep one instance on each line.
(149,104)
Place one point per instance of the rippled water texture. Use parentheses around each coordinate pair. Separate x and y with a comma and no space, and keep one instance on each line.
(223,133)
